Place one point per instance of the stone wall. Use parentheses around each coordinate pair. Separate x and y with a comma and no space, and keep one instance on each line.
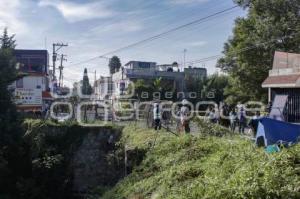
(96,162)
(69,161)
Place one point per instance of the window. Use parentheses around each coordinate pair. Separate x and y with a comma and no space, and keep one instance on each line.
(37,64)
(19,83)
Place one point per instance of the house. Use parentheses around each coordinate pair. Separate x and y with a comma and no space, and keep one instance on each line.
(284,79)
(140,65)
(135,70)
(31,92)
(103,88)
(195,73)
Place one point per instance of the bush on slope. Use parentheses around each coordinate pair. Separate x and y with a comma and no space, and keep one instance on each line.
(207,167)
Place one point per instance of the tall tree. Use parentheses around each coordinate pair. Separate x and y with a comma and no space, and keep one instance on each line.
(114,64)
(86,89)
(7,76)
(7,42)
(12,152)
(86,86)
(269,25)
(216,84)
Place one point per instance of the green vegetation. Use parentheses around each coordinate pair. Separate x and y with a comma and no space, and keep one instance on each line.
(269,25)
(221,166)
(215,83)
(12,150)
(147,90)
(50,147)
(114,64)
(86,88)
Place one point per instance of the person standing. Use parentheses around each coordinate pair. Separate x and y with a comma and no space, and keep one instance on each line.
(232,118)
(212,115)
(242,120)
(157,116)
(225,113)
(253,124)
(217,115)
(184,116)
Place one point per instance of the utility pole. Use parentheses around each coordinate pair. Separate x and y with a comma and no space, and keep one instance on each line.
(184,56)
(61,76)
(122,82)
(56,48)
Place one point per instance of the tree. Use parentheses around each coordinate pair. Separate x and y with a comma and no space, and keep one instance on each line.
(114,64)
(141,87)
(12,151)
(7,42)
(7,75)
(270,25)
(86,87)
(144,89)
(216,84)
(157,84)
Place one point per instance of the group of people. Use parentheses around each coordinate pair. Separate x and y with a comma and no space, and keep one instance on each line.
(236,117)
(183,115)
(213,115)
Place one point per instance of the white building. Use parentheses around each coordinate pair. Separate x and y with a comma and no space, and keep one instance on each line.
(120,83)
(103,88)
(31,92)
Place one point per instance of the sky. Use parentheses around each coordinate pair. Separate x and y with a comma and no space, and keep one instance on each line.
(95,27)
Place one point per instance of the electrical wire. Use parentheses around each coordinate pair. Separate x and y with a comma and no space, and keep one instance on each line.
(158,35)
(235,52)
(154,16)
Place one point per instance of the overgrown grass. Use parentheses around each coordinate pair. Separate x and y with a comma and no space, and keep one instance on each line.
(207,167)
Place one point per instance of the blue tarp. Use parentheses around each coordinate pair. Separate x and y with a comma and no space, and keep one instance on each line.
(274,131)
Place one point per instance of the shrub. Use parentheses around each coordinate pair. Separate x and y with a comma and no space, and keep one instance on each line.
(207,167)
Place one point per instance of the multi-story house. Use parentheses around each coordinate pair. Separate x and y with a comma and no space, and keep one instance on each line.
(31,92)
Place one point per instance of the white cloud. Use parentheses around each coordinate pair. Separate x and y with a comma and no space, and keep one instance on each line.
(121,26)
(75,12)
(197,43)
(9,16)
(180,2)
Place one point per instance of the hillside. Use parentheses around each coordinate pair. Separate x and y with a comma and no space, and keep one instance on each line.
(206,166)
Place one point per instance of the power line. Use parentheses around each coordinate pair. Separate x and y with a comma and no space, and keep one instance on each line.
(203,28)
(198,29)
(205,59)
(159,35)
(157,16)
(214,57)
(169,31)
(185,15)
(95,58)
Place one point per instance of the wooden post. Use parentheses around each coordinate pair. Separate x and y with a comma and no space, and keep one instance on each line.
(269,94)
